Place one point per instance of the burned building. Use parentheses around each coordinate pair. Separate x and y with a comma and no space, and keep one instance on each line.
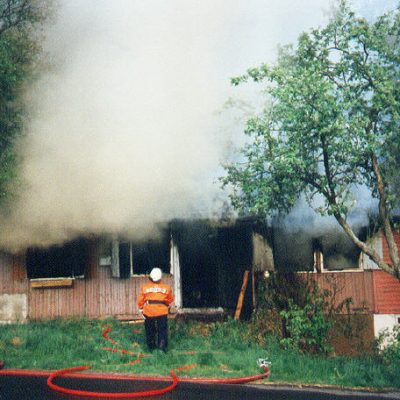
(302,247)
(205,262)
(206,258)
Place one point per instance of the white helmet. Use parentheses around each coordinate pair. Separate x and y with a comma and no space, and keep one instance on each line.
(156,274)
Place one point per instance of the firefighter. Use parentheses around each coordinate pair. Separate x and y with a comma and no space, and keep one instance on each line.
(154,301)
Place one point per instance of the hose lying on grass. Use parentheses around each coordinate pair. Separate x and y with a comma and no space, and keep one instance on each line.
(146,393)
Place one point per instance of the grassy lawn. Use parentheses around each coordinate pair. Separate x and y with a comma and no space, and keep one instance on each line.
(221,349)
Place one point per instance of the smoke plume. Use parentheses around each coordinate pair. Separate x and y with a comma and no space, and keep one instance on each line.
(123,131)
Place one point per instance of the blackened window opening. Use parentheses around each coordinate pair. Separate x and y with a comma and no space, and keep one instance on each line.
(63,261)
(142,257)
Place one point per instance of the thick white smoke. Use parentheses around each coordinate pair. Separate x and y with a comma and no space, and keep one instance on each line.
(124,130)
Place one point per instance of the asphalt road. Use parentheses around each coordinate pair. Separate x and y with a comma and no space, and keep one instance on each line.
(34,387)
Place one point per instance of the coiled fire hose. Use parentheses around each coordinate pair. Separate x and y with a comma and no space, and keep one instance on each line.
(154,392)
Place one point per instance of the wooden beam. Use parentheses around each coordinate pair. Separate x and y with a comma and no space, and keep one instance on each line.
(51,283)
(241,295)
(253,288)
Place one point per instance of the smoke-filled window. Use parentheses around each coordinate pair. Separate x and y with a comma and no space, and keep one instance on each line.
(139,258)
(146,256)
(292,249)
(339,252)
(64,261)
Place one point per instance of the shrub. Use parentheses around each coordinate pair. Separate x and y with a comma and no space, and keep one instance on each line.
(292,307)
(388,347)
(307,328)
(264,324)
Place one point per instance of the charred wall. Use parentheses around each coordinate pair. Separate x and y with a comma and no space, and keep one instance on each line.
(294,247)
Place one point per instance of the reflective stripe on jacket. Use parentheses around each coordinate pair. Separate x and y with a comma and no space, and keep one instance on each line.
(155,298)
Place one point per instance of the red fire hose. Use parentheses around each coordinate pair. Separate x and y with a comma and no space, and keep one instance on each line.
(146,393)
(114,395)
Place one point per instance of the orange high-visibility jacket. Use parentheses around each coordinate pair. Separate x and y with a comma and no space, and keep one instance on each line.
(154,299)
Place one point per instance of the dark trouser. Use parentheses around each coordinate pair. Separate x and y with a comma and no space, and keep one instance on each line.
(156,327)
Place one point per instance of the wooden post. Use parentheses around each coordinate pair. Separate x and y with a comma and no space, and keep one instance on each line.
(253,288)
(241,295)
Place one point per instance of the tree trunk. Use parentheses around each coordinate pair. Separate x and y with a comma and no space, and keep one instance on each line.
(393,269)
(369,251)
(383,214)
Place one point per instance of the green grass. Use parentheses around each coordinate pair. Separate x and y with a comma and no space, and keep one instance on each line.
(223,349)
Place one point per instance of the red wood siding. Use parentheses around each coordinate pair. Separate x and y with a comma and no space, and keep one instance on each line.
(98,295)
(57,302)
(387,287)
(385,247)
(12,275)
(386,292)
(355,285)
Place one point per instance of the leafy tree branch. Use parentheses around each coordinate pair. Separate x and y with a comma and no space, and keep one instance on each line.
(20,20)
(331,125)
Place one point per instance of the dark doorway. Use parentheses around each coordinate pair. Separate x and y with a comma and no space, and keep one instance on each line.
(213,259)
